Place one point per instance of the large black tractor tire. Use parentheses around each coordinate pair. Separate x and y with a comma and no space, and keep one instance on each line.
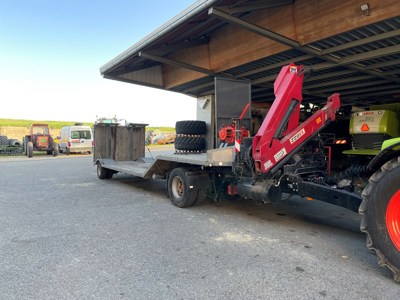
(191,127)
(179,190)
(380,210)
(104,173)
(190,143)
(3,140)
(29,149)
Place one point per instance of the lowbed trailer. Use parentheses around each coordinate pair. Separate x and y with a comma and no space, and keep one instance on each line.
(286,155)
(112,154)
(129,157)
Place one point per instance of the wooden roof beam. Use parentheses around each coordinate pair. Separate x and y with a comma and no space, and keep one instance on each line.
(175,63)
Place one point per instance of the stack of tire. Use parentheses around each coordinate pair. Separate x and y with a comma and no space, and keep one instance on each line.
(190,137)
(3,140)
(9,146)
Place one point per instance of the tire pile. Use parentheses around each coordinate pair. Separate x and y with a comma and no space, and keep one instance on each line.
(9,146)
(190,137)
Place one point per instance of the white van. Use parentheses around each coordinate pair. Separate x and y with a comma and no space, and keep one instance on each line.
(76,139)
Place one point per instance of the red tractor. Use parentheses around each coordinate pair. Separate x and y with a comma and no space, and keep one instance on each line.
(39,139)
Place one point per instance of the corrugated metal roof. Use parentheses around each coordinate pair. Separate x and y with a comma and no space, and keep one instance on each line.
(367,62)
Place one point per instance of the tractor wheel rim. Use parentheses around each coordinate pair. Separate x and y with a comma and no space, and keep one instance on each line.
(393,219)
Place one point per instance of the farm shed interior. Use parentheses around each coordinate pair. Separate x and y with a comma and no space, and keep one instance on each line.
(228,53)
(353,48)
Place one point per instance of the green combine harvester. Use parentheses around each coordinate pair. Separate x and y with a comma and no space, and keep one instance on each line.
(374,130)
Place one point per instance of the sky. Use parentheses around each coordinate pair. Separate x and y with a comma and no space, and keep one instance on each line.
(51,52)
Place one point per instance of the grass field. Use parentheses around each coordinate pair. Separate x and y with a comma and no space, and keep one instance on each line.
(28,123)
(60,124)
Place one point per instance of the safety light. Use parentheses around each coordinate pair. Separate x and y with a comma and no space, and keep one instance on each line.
(364,127)
(341,142)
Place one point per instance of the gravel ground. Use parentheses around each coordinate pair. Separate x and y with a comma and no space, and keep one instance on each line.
(65,234)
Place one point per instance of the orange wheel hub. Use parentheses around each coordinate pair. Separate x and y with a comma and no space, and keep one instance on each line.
(393,219)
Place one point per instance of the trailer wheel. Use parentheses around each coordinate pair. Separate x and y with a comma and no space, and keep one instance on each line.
(190,127)
(179,190)
(104,173)
(190,143)
(29,149)
(380,209)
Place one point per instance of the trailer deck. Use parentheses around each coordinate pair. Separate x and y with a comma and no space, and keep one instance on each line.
(122,149)
(145,167)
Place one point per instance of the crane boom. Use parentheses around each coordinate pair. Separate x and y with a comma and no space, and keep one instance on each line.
(280,133)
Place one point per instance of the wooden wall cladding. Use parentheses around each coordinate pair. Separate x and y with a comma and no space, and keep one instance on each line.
(198,56)
(322,19)
(306,21)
